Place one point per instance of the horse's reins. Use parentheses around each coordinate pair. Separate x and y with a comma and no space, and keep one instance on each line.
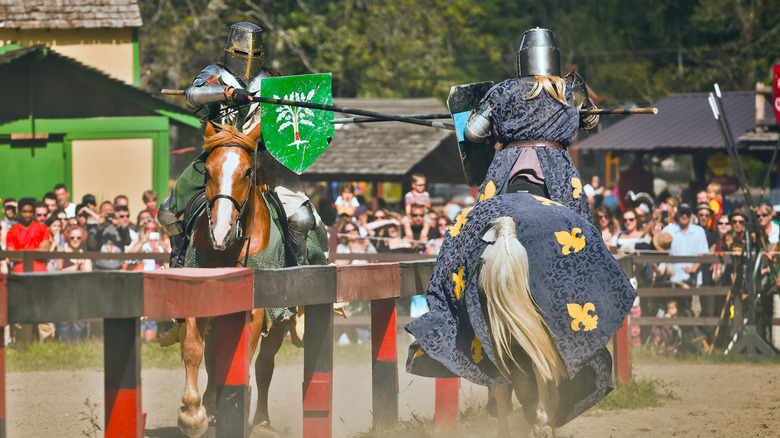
(240,233)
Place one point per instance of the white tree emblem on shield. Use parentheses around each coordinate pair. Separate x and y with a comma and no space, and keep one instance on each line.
(295,116)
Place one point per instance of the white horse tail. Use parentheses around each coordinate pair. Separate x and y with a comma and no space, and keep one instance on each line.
(512,312)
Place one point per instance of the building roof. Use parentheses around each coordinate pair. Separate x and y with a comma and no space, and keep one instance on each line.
(62,80)
(684,121)
(389,151)
(69,14)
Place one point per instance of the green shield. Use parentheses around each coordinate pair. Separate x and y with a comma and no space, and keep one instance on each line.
(294,135)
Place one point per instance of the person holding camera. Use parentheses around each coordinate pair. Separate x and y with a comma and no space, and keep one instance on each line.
(151,240)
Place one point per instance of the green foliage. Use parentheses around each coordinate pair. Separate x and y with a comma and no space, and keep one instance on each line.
(628,51)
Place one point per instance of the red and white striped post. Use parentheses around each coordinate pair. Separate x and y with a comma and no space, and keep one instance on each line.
(318,371)
(384,364)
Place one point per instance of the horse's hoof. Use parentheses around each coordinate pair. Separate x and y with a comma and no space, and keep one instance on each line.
(193,422)
(542,432)
(263,430)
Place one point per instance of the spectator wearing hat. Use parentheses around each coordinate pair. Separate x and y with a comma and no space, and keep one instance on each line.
(738,221)
(688,239)
(704,216)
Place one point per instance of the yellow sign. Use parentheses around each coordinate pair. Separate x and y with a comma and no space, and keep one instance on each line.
(719,163)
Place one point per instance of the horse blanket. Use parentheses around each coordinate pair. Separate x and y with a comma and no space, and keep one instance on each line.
(578,286)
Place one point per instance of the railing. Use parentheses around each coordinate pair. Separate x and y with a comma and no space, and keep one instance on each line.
(27,257)
(668,292)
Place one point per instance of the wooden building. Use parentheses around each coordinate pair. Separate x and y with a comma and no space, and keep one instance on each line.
(79,118)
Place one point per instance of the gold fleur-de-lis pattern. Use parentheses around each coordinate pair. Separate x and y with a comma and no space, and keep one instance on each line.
(581,315)
(476,350)
(459,221)
(570,241)
(576,184)
(547,202)
(490,191)
(460,285)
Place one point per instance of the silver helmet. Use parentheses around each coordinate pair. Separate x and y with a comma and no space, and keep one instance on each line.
(244,50)
(538,54)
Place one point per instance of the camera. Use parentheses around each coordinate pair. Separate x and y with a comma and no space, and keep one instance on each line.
(110,216)
(154,235)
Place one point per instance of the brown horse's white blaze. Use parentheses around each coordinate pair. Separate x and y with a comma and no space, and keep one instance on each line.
(224,214)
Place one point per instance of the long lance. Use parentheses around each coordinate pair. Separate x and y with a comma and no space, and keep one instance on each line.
(416,119)
(598,111)
(338,109)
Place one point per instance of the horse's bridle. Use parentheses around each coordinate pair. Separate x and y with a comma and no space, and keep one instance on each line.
(240,233)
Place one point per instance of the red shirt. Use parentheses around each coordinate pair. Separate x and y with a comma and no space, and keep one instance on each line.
(27,238)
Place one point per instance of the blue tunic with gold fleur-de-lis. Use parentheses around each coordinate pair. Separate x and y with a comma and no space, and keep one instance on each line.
(577,284)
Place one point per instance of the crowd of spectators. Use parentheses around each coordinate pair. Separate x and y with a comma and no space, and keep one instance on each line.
(53,223)
(677,225)
(685,226)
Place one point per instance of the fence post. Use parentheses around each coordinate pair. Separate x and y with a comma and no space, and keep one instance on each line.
(384,364)
(318,371)
(232,338)
(122,364)
(621,346)
(446,410)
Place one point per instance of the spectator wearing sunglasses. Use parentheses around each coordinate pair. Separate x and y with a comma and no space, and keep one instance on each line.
(632,234)
(738,222)
(416,229)
(765,216)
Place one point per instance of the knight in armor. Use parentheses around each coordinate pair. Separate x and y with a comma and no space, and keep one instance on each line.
(226,90)
(532,120)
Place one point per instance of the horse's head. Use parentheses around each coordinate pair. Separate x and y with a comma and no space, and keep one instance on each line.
(229,181)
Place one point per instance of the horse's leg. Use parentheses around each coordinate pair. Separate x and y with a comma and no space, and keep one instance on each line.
(210,394)
(545,410)
(264,370)
(503,397)
(192,416)
(256,329)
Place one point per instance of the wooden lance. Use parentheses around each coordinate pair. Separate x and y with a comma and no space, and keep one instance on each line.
(416,119)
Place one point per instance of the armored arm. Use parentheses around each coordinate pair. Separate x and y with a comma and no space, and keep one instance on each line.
(583,102)
(206,88)
(478,127)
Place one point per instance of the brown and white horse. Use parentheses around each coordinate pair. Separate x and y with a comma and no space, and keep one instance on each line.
(237,224)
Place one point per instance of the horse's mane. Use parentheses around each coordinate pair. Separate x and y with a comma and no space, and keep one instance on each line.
(228,134)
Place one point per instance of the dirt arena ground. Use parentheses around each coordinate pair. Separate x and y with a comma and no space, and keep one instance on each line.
(710,400)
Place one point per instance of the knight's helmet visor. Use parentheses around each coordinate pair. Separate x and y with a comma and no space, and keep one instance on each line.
(538,54)
(244,56)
